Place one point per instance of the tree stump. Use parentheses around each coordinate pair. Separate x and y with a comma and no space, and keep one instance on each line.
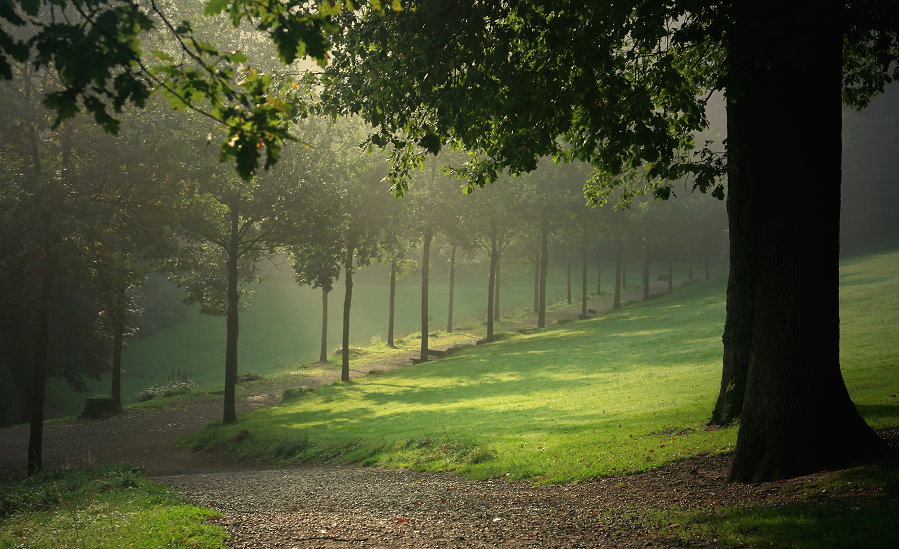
(99,407)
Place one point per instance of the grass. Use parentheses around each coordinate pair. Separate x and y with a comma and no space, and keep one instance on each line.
(611,395)
(104,507)
(857,507)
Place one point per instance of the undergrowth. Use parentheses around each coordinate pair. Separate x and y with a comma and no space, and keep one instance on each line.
(103,507)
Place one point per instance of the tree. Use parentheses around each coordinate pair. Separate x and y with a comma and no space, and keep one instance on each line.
(793,370)
(227,225)
(53,209)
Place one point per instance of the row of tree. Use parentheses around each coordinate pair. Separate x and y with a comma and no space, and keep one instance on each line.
(87,216)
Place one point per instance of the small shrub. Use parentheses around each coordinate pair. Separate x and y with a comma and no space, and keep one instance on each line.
(295,393)
(180,384)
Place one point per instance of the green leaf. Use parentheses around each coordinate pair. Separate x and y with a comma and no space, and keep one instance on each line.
(214,7)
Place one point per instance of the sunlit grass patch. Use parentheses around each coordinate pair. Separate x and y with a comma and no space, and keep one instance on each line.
(615,394)
(105,507)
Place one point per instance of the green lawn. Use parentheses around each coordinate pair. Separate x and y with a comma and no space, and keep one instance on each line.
(621,393)
(105,507)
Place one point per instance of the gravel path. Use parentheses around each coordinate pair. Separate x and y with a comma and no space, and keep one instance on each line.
(348,506)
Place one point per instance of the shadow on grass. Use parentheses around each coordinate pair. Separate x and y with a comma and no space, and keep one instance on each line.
(852,522)
(878,411)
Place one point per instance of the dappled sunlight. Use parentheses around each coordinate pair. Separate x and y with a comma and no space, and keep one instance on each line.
(641,333)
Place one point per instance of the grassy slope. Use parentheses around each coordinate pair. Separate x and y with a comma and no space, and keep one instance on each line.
(281,328)
(621,393)
(106,507)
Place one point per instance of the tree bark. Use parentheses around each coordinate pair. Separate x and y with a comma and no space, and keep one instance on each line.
(537,279)
(497,312)
(117,343)
(584,281)
(116,388)
(491,283)
(619,267)
(544,263)
(39,372)
(425,275)
(347,301)
(645,269)
(784,64)
(323,352)
(670,274)
(391,308)
(232,322)
(452,289)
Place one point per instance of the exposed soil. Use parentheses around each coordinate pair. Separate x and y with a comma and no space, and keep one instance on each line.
(341,506)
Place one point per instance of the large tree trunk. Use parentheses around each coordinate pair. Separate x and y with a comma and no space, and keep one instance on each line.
(645,269)
(347,301)
(425,275)
(391,309)
(784,65)
(39,372)
(544,263)
(584,281)
(619,266)
(491,283)
(323,352)
(452,289)
(232,323)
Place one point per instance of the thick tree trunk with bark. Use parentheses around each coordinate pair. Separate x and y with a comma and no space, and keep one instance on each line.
(491,282)
(452,289)
(784,65)
(347,302)
(619,266)
(645,269)
(323,352)
(584,282)
(391,306)
(544,263)
(39,372)
(425,276)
